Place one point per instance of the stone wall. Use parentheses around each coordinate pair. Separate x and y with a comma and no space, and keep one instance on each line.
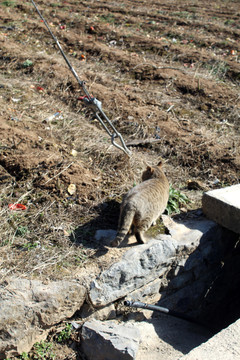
(204,284)
(191,270)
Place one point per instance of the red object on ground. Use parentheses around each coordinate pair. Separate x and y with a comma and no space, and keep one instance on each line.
(84,97)
(17,207)
(39,88)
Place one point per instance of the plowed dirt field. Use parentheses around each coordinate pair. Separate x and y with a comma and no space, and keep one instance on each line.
(168,77)
(167,74)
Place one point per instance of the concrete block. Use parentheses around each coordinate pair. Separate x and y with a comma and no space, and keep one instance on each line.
(223,206)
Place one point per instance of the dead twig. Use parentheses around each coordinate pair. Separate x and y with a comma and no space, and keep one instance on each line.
(159,67)
(138,142)
(58,174)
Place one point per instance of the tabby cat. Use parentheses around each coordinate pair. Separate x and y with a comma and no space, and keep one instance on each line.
(143,204)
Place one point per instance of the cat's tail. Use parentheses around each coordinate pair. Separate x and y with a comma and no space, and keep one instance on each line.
(124,226)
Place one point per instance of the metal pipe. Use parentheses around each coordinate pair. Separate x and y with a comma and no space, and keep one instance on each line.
(138,304)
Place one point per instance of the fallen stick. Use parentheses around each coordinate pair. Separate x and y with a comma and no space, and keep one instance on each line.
(138,142)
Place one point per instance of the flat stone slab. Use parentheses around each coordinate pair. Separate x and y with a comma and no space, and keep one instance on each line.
(223,346)
(190,231)
(161,337)
(223,206)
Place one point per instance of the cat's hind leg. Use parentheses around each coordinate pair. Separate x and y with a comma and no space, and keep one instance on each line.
(140,238)
(140,230)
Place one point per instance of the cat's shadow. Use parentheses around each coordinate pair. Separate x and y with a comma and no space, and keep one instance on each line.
(88,235)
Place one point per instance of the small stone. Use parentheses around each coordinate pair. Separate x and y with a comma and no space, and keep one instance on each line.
(71,189)
(108,235)
(106,313)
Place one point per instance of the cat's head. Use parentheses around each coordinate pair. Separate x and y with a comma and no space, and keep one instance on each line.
(152,171)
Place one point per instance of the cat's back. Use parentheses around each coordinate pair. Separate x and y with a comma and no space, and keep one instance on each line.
(151,190)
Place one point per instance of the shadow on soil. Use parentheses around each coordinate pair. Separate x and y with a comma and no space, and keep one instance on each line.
(107,218)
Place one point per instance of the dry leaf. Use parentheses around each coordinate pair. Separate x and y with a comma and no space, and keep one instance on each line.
(72,189)
(73,152)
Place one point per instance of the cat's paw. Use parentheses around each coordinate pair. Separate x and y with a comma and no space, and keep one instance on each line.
(115,243)
(141,241)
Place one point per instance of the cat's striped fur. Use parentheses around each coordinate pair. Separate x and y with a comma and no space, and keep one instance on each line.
(143,204)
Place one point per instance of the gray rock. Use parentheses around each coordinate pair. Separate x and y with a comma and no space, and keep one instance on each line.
(30,308)
(223,206)
(149,292)
(138,266)
(185,299)
(109,341)
(181,280)
(146,263)
(194,260)
(106,313)
(160,338)
(189,232)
